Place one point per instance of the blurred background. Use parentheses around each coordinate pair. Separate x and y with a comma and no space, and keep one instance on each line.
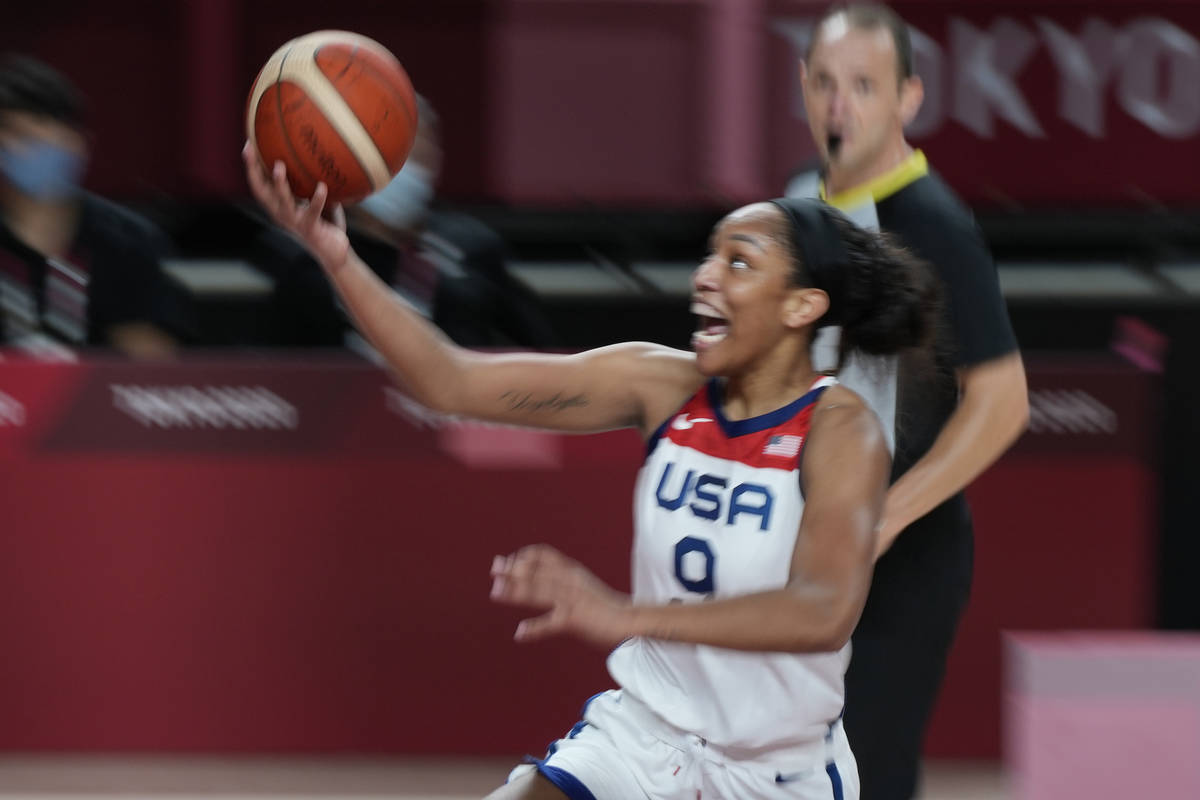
(256,548)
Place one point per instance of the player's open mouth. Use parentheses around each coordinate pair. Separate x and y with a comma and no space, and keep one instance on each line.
(711,328)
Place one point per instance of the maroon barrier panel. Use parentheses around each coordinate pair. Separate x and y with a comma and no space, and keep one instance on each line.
(283,557)
(661,102)
(1066,533)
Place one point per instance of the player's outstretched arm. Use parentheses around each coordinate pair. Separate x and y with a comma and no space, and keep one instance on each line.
(845,475)
(629,385)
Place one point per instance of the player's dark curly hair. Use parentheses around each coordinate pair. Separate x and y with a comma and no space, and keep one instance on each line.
(887,299)
(31,86)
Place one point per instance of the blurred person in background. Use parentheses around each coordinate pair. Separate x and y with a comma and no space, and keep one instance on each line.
(950,423)
(447,265)
(76,270)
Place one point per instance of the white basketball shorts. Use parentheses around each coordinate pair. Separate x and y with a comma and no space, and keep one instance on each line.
(623,751)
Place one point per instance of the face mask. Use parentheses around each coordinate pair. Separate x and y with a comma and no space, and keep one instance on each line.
(404,201)
(42,170)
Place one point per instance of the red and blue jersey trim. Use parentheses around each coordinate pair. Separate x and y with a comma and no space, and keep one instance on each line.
(773,440)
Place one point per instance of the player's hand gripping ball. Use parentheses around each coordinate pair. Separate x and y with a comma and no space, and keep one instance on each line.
(336,107)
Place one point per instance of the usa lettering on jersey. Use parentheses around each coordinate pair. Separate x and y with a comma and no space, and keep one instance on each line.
(710,497)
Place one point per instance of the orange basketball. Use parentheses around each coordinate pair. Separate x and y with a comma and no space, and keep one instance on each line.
(336,107)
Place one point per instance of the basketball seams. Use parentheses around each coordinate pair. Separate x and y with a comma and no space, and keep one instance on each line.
(285,133)
(260,88)
(407,101)
(263,85)
(304,72)
(403,100)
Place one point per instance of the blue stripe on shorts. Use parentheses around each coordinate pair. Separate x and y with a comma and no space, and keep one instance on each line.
(588,702)
(567,783)
(836,779)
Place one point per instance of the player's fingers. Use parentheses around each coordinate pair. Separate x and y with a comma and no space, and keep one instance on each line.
(499,573)
(337,215)
(500,584)
(286,203)
(505,566)
(253,166)
(530,630)
(517,591)
(542,563)
(528,577)
(312,212)
(539,553)
(522,566)
(510,584)
(540,577)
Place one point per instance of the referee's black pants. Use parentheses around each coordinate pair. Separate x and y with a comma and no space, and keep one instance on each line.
(900,647)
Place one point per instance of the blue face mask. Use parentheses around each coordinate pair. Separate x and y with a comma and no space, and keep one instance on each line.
(42,170)
(405,200)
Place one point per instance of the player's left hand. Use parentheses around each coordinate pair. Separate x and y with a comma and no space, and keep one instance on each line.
(577,602)
(321,229)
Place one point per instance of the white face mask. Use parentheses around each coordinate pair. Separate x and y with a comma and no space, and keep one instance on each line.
(404,201)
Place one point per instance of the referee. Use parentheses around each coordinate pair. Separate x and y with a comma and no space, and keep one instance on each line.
(948,420)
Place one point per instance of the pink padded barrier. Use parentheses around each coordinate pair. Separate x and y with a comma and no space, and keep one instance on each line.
(1102,716)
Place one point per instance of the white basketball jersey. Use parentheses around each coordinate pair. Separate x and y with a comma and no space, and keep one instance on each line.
(716,511)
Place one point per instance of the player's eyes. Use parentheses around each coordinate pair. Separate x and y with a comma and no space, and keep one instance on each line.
(737,262)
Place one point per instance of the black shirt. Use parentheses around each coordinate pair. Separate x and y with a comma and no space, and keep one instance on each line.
(931,221)
(111,275)
(915,206)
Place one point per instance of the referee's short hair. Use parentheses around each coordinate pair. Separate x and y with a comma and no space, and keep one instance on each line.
(873,16)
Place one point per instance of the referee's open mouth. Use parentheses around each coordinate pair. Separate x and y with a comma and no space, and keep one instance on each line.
(833,145)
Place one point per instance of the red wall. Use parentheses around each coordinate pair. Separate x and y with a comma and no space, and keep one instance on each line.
(243,557)
(654,102)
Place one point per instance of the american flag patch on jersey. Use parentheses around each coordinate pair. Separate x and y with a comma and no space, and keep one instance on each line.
(783,445)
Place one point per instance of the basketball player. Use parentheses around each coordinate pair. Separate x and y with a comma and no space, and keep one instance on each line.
(756,508)
(949,423)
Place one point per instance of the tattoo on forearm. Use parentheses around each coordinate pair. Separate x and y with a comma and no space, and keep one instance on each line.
(664,630)
(523,401)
